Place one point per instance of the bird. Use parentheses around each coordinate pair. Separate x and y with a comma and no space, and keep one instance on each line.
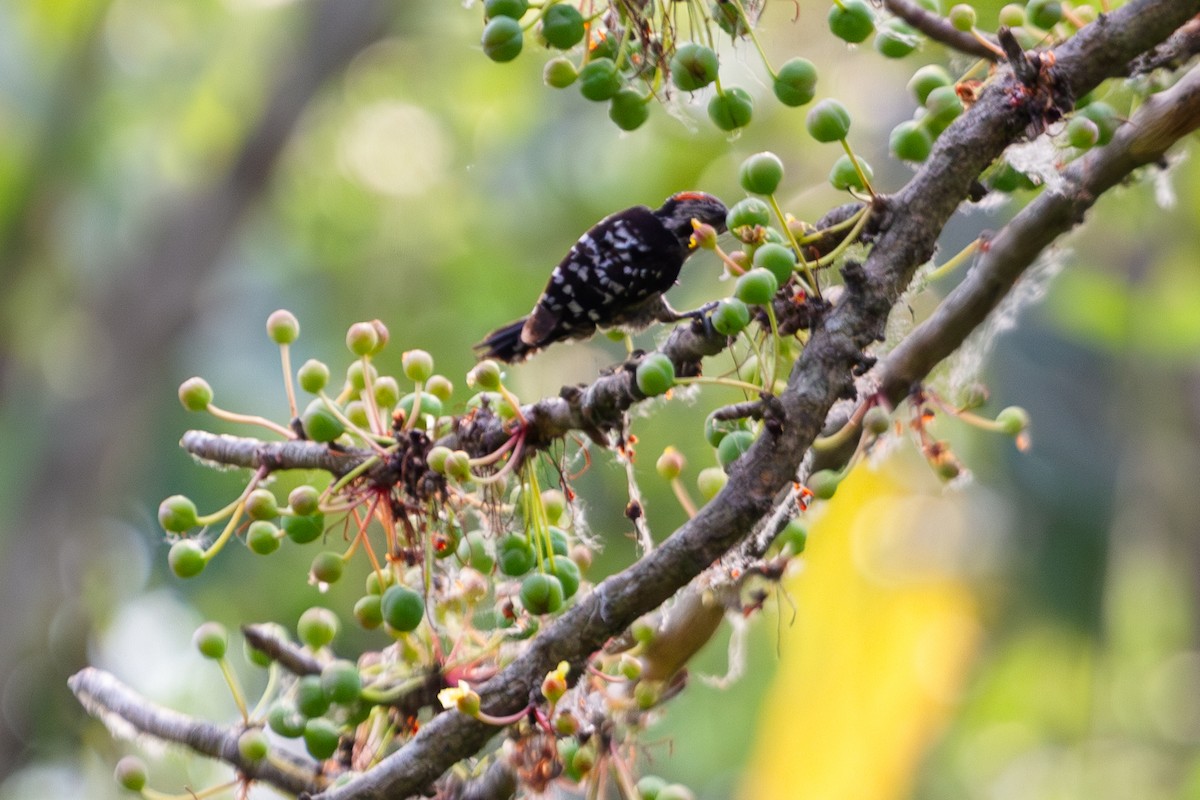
(613,277)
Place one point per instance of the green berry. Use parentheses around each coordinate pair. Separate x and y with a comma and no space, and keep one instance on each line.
(670,464)
(761,173)
(474,552)
(944,106)
(356,374)
(655,374)
(514,555)
(1012,15)
(710,481)
(212,640)
(430,405)
(729,18)
(559,72)
(195,394)
(730,317)
(417,364)
(1013,420)
(436,458)
(283,327)
(675,791)
(320,734)
(505,8)
(260,504)
(926,79)
(648,787)
(852,20)
(1044,14)
(440,387)
(541,594)
(458,466)
(186,558)
(253,744)
(485,375)
(327,567)
(910,141)
(369,611)
(876,421)
(776,259)
(599,79)
(321,424)
(562,26)
(262,537)
(306,528)
(732,109)
(555,504)
(717,429)
(1105,117)
(502,39)
(177,514)
(131,773)
(387,391)
(796,82)
(361,338)
(793,537)
(304,500)
(628,109)
(284,719)
(341,682)
(962,17)
(732,447)
(756,287)
(1082,132)
(317,627)
(824,483)
(403,609)
(896,39)
(567,572)
(828,121)
(560,545)
(747,213)
(693,67)
(844,176)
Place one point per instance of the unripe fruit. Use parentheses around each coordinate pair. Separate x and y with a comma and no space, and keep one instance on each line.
(1082,133)
(368,610)
(502,39)
(317,627)
(675,791)
(485,375)
(944,106)
(852,21)
(670,464)
(211,639)
(177,514)
(761,173)
(440,387)
(962,17)
(793,537)
(260,504)
(355,374)
(748,212)
(628,109)
(824,483)
(131,773)
(731,110)
(710,481)
(1012,16)
(1045,14)
(321,735)
(1105,117)
(304,500)
(796,82)
(776,259)
(253,744)
(732,447)
(262,537)
(844,176)
(327,567)
(505,8)
(305,528)
(417,364)
(562,26)
(285,720)
(387,391)
(403,609)
(541,594)
(655,374)
(756,287)
(896,39)
(283,327)
(1013,420)
(186,558)
(568,574)
(909,141)
(555,503)
(648,787)
(361,337)
(730,317)
(828,121)
(310,696)
(430,405)
(514,555)
(195,394)
(474,552)
(693,67)
(341,682)
(876,421)
(321,424)
(559,72)
(926,79)
(599,79)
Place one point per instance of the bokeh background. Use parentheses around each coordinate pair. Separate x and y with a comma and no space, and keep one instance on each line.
(171,171)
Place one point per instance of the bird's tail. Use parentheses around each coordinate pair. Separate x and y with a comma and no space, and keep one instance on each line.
(505,344)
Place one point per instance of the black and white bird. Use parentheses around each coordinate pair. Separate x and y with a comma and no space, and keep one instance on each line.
(613,277)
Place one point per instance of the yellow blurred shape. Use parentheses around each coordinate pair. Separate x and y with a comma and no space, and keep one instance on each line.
(884,634)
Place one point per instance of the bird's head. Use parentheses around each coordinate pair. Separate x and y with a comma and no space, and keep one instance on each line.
(680,209)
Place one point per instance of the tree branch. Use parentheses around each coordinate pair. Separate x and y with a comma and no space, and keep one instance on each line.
(938,28)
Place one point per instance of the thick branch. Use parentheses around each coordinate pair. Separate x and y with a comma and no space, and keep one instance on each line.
(111,701)
(938,28)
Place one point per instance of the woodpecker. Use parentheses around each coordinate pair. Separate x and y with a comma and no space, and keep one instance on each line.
(614,276)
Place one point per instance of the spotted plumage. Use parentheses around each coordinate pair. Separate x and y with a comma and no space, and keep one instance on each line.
(614,276)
